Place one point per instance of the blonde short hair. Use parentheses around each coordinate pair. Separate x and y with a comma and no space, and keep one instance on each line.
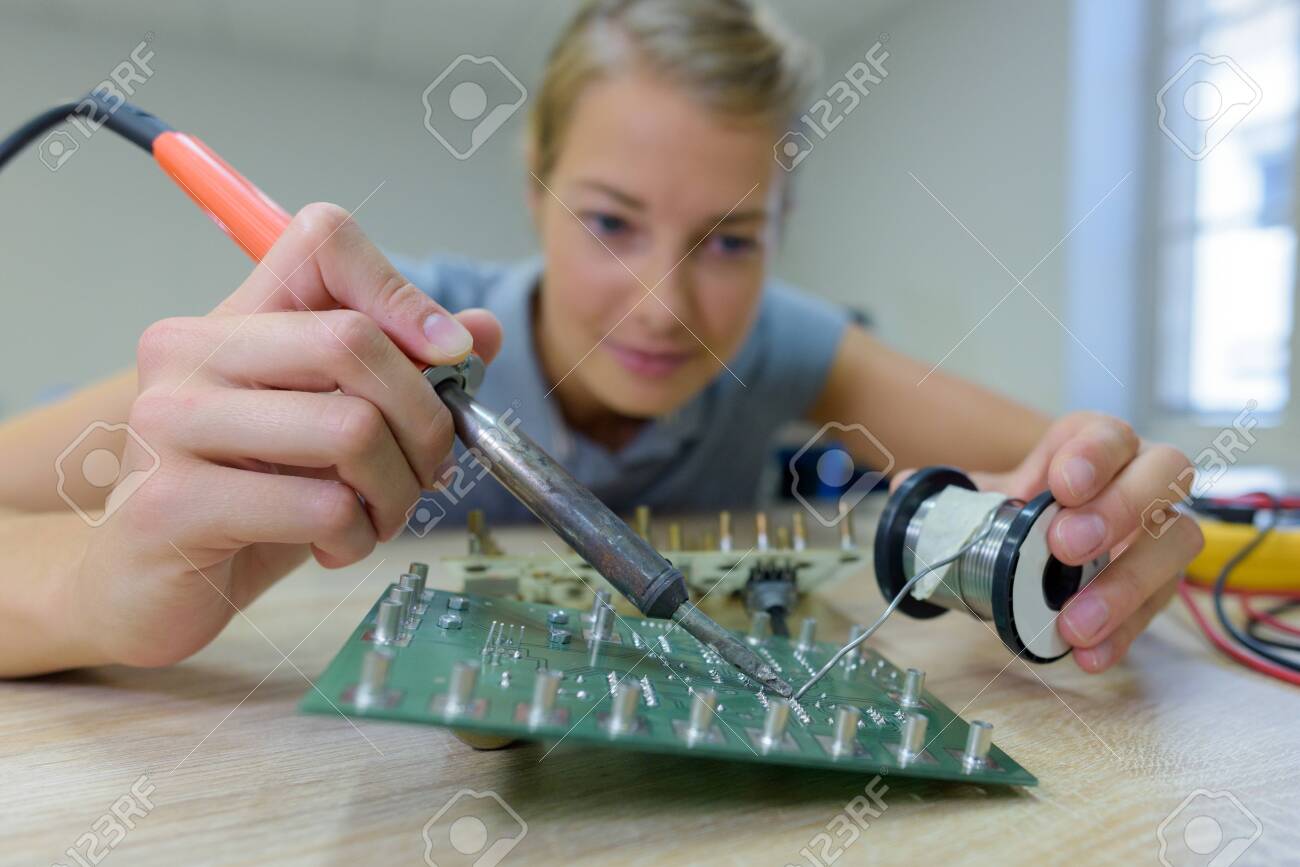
(728,54)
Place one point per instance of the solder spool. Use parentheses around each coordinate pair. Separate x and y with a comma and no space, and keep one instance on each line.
(1010,577)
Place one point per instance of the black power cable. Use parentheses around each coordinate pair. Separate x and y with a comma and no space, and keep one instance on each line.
(1245,640)
(27,133)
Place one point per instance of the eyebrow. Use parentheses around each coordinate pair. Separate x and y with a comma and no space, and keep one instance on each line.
(630,201)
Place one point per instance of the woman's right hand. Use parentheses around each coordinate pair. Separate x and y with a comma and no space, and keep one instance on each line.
(291,419)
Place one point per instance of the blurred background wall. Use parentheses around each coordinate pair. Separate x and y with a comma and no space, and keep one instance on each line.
(1008,135)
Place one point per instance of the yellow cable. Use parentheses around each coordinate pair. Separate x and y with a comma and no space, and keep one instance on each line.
(1274,565)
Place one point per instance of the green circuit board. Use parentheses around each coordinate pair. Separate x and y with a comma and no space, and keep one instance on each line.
(508,643)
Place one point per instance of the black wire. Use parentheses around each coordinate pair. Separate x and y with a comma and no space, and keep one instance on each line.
(1221,581)
(1253,625)
(25,134)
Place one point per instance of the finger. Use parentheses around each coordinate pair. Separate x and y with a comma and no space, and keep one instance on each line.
(486,330)
(1085,463)
(1079,534)
(302,429)
(323,260)
(198,506)
(1102,656)
(900,477)
(308,351)
(1093,614)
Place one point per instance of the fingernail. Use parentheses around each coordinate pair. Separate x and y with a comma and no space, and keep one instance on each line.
(1080,534)
(1094,659)
(1079,475)
(447,335)
(1086,615)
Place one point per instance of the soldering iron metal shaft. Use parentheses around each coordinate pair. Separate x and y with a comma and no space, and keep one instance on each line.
(599,536)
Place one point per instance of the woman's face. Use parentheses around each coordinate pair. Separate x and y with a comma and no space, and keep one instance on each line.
(655,224)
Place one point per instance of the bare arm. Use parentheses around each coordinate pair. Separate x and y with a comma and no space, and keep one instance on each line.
(30,444)
(943,420)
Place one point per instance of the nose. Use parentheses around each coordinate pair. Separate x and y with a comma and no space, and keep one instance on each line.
(669,277)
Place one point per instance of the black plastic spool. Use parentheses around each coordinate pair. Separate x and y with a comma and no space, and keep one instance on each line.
(891,538)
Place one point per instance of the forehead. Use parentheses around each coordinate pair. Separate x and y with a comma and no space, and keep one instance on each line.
(650,139)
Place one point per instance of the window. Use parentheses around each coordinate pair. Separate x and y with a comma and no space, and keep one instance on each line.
(1225,230)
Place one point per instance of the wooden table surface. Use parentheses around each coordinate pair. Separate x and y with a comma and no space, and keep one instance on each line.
(235,775)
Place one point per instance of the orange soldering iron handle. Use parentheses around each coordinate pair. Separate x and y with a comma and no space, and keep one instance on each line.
(243,212)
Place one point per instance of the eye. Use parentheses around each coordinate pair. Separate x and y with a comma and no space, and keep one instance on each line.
(606,224)
(734,244)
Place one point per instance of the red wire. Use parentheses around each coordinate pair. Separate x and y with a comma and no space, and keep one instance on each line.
(1249,660)
(1265,617)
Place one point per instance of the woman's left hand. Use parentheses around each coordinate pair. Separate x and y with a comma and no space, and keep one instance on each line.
(1115,493)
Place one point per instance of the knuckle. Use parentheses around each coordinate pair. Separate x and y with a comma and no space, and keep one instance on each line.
(358,336)
(322,219)
(360,428)
(1125,590)
(336,510)
(153,411)
(1170,457)
(158,342)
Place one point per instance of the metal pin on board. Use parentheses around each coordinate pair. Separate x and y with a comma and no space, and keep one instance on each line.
(774,723)
(760,528)
(388,619)
(807,634)
(913,740)
(622,715)
(845,739)
(724,532)
(546,686)
(800,531)
(643,522)
(703,708)
(913,687)
(979,739)
(460,689)
(675,537)
(846,526)
(374,677)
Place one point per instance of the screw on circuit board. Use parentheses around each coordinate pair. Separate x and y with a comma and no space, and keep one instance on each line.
(450,621)
(458,603)
(558,617)
(560,636)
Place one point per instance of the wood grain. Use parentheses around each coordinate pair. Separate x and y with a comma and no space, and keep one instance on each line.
(241,778)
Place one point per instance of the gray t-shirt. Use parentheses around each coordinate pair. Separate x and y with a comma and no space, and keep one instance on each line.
(707,455)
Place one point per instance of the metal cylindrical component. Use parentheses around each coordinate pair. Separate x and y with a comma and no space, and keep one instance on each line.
(460,687)
(846,527)
(374,676)
(913,687)
(724,532)
(774,723)
(807,634)
(415,584)
(760,529)
(760,627)
(586,524)
(913,739)
(800,531)
(388,622)
(703,708)
(602,628)
(979,739)
(546,686)
(405,596)
(783,538)
(643,522)
(675,537)
(622,715)
(845,739)
(602,600)
(418,568)
(558,617)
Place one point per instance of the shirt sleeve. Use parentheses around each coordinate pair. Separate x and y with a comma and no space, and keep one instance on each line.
(455,283)
(793,345)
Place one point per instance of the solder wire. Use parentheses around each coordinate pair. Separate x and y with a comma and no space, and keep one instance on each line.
(844,651)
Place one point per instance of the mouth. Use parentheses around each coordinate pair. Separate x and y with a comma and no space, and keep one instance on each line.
(653,363)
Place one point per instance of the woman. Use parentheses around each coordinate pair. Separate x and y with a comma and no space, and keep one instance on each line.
(645,348)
